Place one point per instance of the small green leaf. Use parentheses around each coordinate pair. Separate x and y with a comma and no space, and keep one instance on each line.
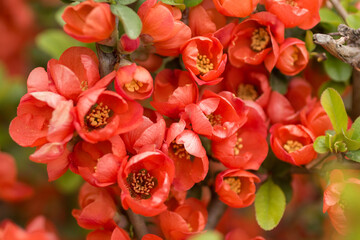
(192,3)
(270,205)
(356,129)
(352,143)
(337,69)
(353,155)
(329,16)
(340,146)
(320,145)
(129,19)
(309,43)
(177,3)
(338,86)
(353,20)
(209,235)
(335,109)
(125,2)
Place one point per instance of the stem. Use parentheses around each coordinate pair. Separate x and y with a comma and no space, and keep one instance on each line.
(139,224)
(316,162)
(216,210)
(107,61)
(340,9)
(355,108)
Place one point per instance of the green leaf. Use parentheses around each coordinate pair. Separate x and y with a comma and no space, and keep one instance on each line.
(54,42)
(320,145)
(352,143)
(353,20)
(129,19)
(338,86)
(58,16)
(353,155)
(125,2)
(270,205)
(177,3)
(309,43)
(337,69)
(335,109)
(329,16)
(192,3)
(209,235)
(356,129)
(69,182)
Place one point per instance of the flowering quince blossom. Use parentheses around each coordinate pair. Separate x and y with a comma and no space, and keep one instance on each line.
(204,58)
(238,233)
(38,229)
(134,82)
(145,181)
(256,40)
(89,21)
(161,24)
(185,149)
(186,220)
(235,8)
(117,234)
(295,13)
(215,117)
(293,57)
(292,143)
(236,187)
(173,90)
(316,119)
(11,189)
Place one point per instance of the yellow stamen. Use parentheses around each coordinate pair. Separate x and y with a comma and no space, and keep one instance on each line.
(292,146)
(292,3)
(234,183)
(141,183)
(133,86)
(247,92)
(98,116)
(179,150)
(238,146)
(214,119)
(259,40)
(204,64)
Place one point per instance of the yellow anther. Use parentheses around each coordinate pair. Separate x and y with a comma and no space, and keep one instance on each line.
(259,40)
(204,64)
(247,92)
(234,183)
(292,146)
(133,86)
(214,119)
(98,116)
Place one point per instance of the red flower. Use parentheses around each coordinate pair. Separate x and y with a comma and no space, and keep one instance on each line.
(286,108)
(248,83)
(204,19)
(186,220)
(204,58)
(149,135)
(11,189)
(89,21)
(256,39)
(293,57)
(134,82)
(185,149)
(101,114)
(162,23)
(236,187)
(127,45)
(233,8)
(295,13)
(215,117)
(116,234)
(174,89)
(155,171)
(42,117)
(97,208)
(238,233)
(316,120)
(98,163)
(292,143)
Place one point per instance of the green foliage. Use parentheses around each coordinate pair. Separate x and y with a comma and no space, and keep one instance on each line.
(125,2)
(270,205)
(129,19)
(69,182)
(353,20)
(309,43)
(338,86)
(54,42)
(335,109)
(209,235)
(337,69)
(177,3)
(320,145)
(192,3)
(353,155)
(330,17)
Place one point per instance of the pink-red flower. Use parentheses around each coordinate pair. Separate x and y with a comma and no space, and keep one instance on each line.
(316,120)
(204,58)
(134,82)
(89,21)
(101,114)
(293,57)
(145,181)
(239,233)
(295,13)
(292,143)
(174,89)
(186,220)
(235,8)
(256,40)
(236,187)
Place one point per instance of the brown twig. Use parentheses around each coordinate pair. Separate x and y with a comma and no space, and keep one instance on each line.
(107,61)
(139,224)
(340,9)
(216,210)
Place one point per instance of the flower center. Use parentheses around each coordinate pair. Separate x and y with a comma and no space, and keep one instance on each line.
(292,146)
(295,55)
(259,39)
(133,85)
(203,64)
(98,116)
(84,85)
(292,3)
(238,146)
(234,183)
(179,150)
(214,119)
(140,184)
(247,92)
